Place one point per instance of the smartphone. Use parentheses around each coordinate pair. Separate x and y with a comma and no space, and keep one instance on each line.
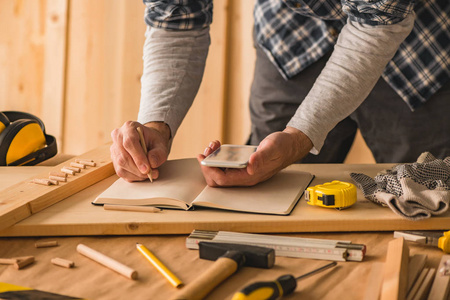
(229,156)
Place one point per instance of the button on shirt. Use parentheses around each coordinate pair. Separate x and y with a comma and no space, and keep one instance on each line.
(295,34)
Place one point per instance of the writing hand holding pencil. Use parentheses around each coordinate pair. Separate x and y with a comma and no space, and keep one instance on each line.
(138,150)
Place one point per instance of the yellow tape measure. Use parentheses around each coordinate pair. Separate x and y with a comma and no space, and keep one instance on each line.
(336,194)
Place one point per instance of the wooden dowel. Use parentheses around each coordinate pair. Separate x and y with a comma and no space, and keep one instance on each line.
(62,262)
(107,261)
(23,262)
(59,174)
(54,182)
(8,261)
(78,165)
(41,181)
(75,169)
(58,178)
(139,208)
(68,171)
(46,244)
(87,162)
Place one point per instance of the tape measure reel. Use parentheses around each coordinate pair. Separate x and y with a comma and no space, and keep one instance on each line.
(336,194)
(23,140)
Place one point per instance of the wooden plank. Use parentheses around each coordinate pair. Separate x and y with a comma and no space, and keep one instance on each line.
(77,216)
(417,284)
(55,41)
(395,271)
(425,286)
(441,285)
(24,199)
(373,286)
(416,264)
(103,72)
(240,67)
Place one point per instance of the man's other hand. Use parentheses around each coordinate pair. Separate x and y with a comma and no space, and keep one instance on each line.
(277,151)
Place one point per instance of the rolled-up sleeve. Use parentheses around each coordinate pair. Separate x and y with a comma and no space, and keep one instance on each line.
(179,14)
(378,12)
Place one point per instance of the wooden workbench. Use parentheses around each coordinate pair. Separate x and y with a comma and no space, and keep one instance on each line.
(92,281)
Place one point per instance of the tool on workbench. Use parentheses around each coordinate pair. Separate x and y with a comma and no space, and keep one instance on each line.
(283,245)
(336,194)
(271,290)
(228,259)
(438,239)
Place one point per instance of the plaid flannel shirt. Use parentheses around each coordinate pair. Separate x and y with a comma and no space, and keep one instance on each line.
(296,33)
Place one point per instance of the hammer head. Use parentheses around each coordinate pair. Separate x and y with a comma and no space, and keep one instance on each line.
(246,255)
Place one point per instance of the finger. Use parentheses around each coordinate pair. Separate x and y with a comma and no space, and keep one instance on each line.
(226,177)
(209,181)
(131,143)
(123,163)
(157,155)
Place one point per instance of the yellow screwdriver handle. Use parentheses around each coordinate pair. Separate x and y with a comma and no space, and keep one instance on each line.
(444,242)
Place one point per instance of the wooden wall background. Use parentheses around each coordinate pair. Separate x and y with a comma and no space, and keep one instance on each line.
(77,65)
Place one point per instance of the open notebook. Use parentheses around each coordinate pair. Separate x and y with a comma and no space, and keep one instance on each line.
(181,185)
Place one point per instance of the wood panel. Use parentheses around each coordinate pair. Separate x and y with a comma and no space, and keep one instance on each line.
(32,59)
(241,64)
(104,70)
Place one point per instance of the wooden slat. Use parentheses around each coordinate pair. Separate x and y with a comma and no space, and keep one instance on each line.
(416,264)
(104,69)
(441,284)
(425,286)
(55,58)
(24,199)
(395,277)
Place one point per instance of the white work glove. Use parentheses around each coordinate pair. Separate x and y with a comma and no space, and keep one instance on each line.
(414,191)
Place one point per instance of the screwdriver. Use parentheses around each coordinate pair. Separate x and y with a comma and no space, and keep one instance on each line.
(271,290)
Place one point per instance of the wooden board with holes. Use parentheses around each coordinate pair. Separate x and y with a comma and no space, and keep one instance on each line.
(77,216)
(24,198)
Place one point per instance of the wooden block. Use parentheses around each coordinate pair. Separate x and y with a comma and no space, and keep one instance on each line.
(441,285)
(415,267)
(395,276)
(373,287)
(24,199)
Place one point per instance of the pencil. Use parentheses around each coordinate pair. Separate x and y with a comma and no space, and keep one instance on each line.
(142,140)
(131,208)
(159,266)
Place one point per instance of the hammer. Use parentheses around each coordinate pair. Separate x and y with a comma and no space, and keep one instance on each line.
(228,259)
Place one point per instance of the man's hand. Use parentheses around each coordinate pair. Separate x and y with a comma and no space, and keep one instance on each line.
(130,161)
(274,153)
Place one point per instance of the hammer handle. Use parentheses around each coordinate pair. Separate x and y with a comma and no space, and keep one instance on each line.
(222,268)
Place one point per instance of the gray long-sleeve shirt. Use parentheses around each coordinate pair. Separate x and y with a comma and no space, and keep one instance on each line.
(174,63)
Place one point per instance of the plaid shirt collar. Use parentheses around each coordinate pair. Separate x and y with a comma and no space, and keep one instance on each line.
(296,33)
